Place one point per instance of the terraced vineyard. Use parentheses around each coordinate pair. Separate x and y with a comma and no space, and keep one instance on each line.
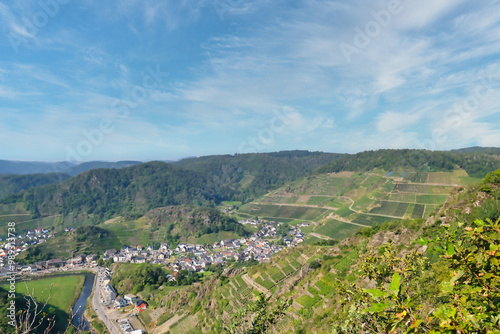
(337,204)
(337,229)
(390,209)
(277,272)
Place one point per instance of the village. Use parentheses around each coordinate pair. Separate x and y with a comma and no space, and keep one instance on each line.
(260,246)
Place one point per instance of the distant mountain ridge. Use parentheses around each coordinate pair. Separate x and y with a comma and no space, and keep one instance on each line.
(476,161)
(12,183)
(34,167)
(127,187)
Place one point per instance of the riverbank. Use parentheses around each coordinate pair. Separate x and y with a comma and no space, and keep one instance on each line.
(61,291)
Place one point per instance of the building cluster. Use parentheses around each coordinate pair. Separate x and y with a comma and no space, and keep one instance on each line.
(192,257)
(139,254)
(22,242)
(109,296)
(49,265)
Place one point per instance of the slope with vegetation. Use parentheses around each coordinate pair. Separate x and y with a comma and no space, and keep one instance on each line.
(13,184)
(412,276)
(170,225)
(337,204)
(475,162)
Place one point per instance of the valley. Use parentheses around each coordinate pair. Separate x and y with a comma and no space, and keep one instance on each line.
(223,234)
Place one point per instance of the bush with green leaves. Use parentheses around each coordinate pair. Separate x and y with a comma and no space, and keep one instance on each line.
(464,298)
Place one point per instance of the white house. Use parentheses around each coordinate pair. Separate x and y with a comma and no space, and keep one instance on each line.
(120,302)
(108,294)
(130,298)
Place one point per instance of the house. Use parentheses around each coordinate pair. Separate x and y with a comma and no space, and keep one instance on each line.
(140,260)
(109,253)
(108,294)
(90,258)
(54,263)
(137,331)
(120,302)
(130,298)
(140,305)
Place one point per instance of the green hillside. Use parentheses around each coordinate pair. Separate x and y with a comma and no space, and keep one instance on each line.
(382,277)
(206,181)
(12,184)
(338,204)
(475,162)
(255,174)
(171,225)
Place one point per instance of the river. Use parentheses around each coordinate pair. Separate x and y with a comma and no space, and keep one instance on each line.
(81,304)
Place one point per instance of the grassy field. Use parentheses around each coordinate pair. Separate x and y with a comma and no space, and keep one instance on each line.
(283,211)
(431,199)
(363,203)
(64,291)
(370,220)
(423,189)
(336,229)
(390,209)
(319,200)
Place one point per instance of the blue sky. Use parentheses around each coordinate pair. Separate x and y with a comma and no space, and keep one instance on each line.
(157,80)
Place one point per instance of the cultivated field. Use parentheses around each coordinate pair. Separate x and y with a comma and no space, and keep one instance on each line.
(355,199)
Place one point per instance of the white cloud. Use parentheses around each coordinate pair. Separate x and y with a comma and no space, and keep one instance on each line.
(391,121)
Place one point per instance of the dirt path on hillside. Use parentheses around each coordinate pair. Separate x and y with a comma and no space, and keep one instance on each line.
(334,216)
(165,327)
(367,213)
(255,285)
(320,236)
(300,205)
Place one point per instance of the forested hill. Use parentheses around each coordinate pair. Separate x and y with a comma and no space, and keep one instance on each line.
(11,184)
(139,188)
(256,174)
(202,181)
(33,167)
(476,162)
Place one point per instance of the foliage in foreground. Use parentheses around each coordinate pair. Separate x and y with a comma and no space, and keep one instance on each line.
(259,316)
(410,298)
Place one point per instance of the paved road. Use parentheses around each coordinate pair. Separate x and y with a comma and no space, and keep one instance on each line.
(99,309)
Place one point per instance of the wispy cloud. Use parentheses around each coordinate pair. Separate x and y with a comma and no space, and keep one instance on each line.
(231,69)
